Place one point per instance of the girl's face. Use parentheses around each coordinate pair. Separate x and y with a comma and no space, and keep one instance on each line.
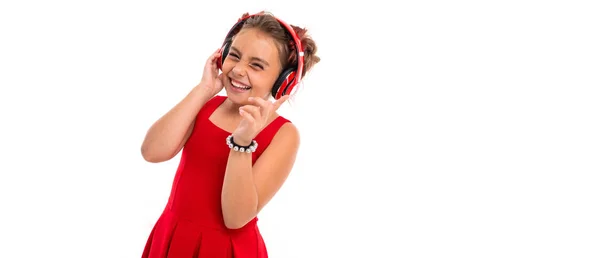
(251,67)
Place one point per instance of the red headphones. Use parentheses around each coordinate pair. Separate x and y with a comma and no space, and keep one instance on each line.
(290,76)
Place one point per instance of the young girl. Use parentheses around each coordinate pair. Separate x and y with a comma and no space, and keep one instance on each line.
(237,151)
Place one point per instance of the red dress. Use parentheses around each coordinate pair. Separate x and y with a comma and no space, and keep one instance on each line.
(192,223)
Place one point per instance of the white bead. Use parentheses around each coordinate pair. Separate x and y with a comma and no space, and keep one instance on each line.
(235,148)
(242,149)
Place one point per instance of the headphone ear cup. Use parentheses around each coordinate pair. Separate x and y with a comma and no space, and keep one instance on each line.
(286,78)
(224,53)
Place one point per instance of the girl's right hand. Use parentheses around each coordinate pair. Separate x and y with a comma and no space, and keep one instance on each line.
(211,79)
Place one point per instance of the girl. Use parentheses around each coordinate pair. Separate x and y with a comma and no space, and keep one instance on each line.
(236,150)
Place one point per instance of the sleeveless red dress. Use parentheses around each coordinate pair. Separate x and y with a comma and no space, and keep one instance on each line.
(191,225)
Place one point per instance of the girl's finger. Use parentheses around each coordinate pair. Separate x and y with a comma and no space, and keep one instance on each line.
(280,101)
(247,116)
(253,110)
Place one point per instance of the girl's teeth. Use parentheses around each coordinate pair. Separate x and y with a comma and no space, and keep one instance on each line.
(239,86)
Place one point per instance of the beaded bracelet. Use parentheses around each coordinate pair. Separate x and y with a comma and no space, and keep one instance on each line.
(248,149)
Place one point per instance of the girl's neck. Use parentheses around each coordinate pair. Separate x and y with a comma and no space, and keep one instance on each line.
(230,107)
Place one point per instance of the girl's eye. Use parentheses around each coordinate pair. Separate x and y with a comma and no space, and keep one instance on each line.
(235,56)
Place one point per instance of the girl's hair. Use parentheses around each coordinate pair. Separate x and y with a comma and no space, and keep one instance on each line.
(285,44)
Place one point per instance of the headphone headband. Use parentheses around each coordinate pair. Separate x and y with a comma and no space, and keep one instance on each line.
(297,75)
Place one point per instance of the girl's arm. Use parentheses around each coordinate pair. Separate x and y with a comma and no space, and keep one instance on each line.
(246,188)
(167,136)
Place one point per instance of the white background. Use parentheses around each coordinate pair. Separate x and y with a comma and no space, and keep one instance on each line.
(429,129)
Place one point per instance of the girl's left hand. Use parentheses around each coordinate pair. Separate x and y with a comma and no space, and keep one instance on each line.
(254,118)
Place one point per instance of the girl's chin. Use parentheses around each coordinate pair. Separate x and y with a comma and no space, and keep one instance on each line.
(238,98)
(238,95)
